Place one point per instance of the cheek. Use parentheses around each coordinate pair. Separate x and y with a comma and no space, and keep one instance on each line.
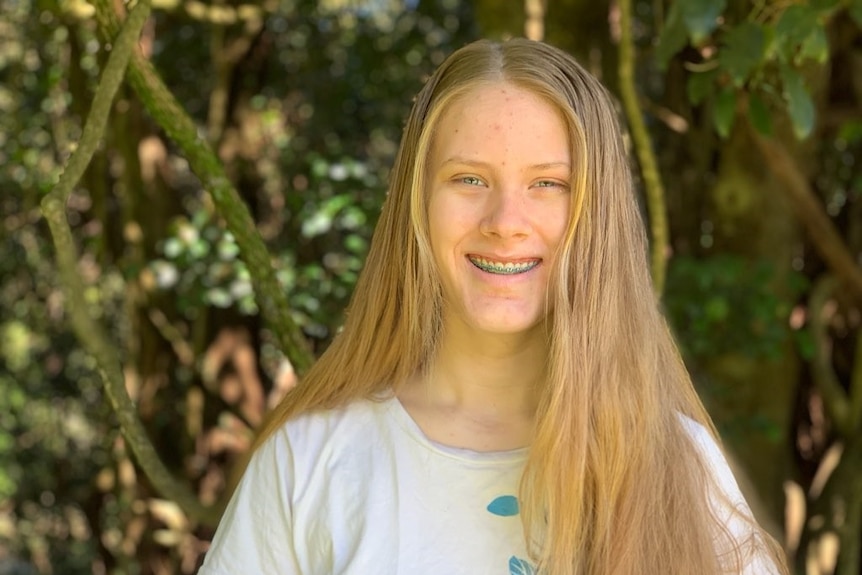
(446,226)
(553,223)
(438,230)
(434,224)
(561,227)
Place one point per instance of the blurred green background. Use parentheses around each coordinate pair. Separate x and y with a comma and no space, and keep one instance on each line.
(753,111)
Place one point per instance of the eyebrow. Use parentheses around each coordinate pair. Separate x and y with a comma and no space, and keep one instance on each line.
(480,164)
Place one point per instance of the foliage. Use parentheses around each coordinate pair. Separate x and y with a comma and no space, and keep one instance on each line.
(50,405)
(161,268)
(726,304)
(330,125)
(305,105)
(51,411)
(765,77)
(200,266)
(759,58)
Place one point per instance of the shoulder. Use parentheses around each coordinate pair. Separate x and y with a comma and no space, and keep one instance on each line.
(297,489)
(728,504)
(319,440)
(316,429)
(713,458)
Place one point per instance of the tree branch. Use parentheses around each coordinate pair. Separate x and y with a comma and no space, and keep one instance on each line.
(88,330)
(809,210)
(534,21)
(167,112)
(643,149)
(834,397)
(856,386)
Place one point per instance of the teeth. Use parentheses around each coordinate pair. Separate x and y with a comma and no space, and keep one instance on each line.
(504,268)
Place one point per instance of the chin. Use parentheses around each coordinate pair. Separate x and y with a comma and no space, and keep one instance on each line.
(508,326)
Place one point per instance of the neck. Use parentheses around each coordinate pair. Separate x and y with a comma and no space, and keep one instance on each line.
(480,391)
(487,374)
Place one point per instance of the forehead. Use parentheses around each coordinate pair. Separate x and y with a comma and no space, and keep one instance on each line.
(500,117)
(496,98)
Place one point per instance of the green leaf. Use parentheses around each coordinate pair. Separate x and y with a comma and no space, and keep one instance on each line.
(673,37)
(199,249)
(770,45)
(805,343)
(856,11)
(717,309)
(794,26)
(724,111)
(700,17)
(799,103)
(219,297)
(823,5)
(851,131)
(743,51)
(356,244)
(759,115)
(700,84)
(317,224)
(172,248)
(816,46)
(227,250)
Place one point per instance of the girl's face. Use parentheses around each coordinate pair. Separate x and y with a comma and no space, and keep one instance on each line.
(499,183)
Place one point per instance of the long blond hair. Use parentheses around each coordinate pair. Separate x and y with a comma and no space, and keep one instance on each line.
(613,484)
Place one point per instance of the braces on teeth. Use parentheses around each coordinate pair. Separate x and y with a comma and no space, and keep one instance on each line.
(509,268)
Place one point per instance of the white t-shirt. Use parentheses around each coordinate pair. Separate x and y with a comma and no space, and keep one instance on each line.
(362,491)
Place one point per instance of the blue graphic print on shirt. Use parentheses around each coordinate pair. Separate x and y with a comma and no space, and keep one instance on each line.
(504,506)
(520,567)
(507,506)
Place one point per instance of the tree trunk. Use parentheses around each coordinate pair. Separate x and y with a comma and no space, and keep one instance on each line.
(753,397)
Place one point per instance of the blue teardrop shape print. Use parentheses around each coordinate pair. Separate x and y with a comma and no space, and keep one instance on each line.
(504,506)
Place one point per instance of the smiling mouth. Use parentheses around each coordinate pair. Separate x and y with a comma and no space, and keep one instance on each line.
(503,268)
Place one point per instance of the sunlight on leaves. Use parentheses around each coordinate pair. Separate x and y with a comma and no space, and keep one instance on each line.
(815,47)
(793,28)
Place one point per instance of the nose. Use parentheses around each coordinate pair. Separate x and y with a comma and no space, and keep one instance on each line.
(505,215)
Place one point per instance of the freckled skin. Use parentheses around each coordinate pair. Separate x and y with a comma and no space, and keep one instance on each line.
(504,198)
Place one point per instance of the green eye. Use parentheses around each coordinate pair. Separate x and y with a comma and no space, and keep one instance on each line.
(471,181)
(551,184)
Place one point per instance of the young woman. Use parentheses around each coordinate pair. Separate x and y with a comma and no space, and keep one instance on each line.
(505,397)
